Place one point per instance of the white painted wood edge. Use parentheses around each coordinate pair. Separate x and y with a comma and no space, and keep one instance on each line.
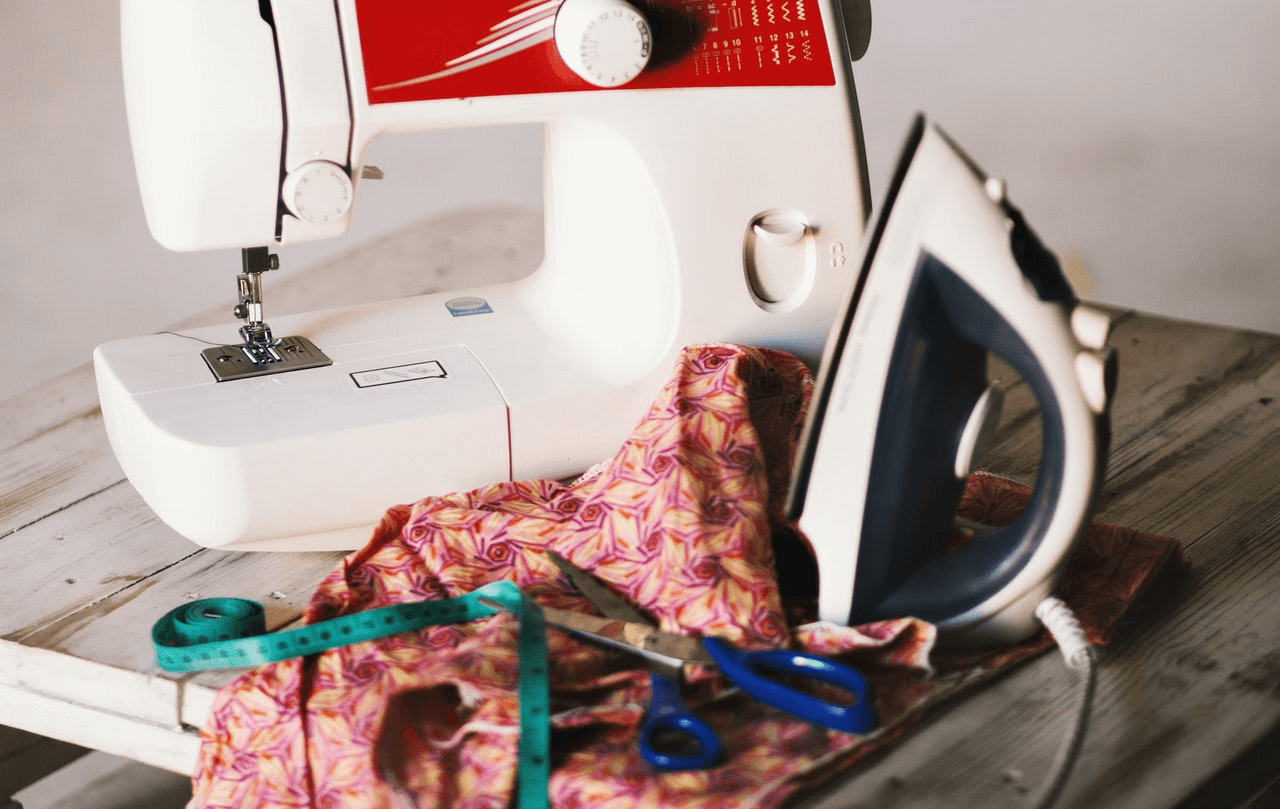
(147,696)
(171,748)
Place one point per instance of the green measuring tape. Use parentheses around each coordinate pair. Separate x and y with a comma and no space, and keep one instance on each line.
(220,633)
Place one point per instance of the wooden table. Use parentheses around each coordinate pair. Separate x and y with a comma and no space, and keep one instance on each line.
(1188,705)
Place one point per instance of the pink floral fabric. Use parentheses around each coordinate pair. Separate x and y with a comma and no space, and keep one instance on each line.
(685,521)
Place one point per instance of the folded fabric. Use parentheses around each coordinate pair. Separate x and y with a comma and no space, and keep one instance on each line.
(685,521)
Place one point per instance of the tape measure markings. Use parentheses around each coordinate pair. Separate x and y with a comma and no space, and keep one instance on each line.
(218,633)
(534,746)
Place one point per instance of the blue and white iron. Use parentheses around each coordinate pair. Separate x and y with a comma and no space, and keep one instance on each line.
(903,409)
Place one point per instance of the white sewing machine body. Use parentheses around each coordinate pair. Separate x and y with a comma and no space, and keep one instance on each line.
(712,198)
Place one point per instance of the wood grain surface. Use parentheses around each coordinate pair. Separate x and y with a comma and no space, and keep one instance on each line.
(1191,684)
(1188,692)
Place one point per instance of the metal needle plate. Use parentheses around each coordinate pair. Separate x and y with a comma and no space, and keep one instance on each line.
(233,361)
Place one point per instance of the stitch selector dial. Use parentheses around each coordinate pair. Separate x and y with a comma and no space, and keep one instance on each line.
(606,42)
(318,192)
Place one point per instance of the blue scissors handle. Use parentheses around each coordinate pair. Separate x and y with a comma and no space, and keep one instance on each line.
(669,719)
(743,668)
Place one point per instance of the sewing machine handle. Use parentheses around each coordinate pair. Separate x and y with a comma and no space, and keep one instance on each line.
(988,589)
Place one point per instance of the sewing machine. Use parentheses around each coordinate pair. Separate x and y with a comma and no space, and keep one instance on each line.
(704,181)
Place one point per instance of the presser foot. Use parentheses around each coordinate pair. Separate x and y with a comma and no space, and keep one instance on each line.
(241,360)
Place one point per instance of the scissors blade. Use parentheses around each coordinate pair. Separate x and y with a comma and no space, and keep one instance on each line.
(656,645)
(612,605)
(638,639)
(615,607)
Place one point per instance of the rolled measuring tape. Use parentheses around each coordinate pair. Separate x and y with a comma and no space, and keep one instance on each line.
(221,633)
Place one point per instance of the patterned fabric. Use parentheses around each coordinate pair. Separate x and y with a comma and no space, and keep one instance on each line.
(686,523)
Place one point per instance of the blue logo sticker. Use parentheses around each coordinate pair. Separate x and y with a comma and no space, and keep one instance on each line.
(465,307)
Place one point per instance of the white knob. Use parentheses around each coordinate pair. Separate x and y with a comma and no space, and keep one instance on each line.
(318,192)
(1091,326)
(606,42)
(1096,378)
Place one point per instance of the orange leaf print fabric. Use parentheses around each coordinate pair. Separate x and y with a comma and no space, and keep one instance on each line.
(685,522)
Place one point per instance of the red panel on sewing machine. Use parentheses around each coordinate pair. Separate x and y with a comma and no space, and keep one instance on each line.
(432,49)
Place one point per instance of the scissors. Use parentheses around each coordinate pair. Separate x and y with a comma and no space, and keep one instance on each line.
(626,628)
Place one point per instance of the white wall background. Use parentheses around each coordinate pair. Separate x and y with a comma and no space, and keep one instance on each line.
(1142,139)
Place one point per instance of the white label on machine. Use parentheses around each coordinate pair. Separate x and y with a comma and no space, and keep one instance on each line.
(431,369)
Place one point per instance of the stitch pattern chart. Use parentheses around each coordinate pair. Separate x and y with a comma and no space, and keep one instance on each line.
(491,48)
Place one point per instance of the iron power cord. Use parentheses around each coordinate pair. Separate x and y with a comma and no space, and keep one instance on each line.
(1078,653)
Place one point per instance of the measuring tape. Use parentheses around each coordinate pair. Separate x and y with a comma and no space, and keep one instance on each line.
(220,633)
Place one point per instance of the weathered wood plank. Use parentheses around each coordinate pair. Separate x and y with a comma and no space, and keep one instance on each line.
(1015,452)
(33,411)
(80,555)
(1193,684)
(53,468)
(1216,407)
(989,749)
(1229,380)
(118,690)
(116,631)
(72,563)
(111,640)
(97,575)
(170,748)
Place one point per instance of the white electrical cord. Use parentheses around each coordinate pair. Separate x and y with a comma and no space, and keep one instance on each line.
(1076,650)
